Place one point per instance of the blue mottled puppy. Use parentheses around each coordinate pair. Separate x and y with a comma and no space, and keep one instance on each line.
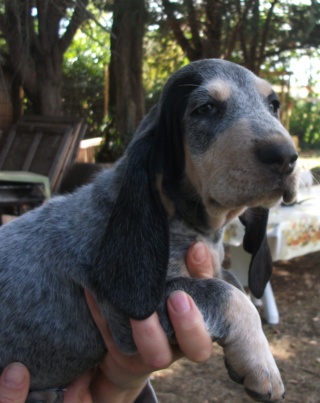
(212,149)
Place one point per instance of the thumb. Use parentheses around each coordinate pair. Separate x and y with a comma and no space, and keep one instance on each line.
(14,383)
(201,262)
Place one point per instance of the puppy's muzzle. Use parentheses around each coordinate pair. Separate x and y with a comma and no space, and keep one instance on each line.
(279,157)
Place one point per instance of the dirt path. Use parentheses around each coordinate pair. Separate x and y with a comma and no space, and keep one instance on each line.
(295,343)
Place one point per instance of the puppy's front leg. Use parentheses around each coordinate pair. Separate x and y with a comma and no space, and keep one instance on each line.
(233,321)
(247,354)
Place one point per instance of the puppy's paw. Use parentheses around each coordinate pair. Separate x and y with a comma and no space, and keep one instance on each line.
(262,382)
(265,385)
(247,354)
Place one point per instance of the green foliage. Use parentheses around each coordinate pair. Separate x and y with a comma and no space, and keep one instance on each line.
(162,58)
(243,27)
(305,123)
(83,76)
(83,73)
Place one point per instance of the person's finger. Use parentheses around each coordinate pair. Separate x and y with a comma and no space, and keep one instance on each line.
(200,262)
(152,342)
(191,333)
(78,391)
(14,383)
(101,323)
(97,317)
(149,337)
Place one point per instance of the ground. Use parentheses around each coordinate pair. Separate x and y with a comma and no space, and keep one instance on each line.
(295,343)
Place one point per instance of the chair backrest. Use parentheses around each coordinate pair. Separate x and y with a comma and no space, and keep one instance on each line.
(44,145)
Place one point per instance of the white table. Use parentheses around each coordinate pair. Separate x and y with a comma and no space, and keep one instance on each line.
(292,231)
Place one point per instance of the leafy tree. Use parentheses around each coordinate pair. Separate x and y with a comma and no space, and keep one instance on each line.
(162,57)
(37,34)
(246,31)
(84,78)
(305,122)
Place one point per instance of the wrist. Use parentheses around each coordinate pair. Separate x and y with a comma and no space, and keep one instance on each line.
(105,389)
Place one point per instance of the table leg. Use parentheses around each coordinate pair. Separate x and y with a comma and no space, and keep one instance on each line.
(270,309)
(240,261)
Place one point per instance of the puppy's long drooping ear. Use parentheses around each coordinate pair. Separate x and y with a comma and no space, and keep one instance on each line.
(255,242)
(130,268)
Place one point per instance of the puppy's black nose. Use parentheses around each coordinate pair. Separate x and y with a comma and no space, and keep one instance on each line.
(281,157)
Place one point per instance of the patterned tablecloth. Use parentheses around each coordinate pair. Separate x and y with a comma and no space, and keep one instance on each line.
(292,231)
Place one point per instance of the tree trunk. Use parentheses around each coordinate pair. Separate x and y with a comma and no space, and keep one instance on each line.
(36,47)
(126,97)
(48,99)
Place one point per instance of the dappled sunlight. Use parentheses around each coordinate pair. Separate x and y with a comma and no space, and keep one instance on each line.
(176,367)
(282,348)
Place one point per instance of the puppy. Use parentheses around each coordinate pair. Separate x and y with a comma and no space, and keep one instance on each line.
(211,150)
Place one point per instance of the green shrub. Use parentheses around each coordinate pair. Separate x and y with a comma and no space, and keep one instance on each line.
(305,123)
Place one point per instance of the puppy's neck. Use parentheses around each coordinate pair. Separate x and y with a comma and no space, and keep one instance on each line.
(189,206)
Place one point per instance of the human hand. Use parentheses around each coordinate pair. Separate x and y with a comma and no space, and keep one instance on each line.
(14,383)
(121,377)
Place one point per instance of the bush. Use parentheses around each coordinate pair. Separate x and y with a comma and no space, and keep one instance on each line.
(305,123)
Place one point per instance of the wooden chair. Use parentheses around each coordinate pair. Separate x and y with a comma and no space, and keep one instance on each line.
(37,152)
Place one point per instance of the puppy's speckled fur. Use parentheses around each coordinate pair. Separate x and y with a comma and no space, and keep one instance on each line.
(212,149)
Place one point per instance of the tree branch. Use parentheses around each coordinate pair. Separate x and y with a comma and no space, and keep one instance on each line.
(243,44)
(80,15)
(19,51)
(98,23)
(194,25)
(214,13)
(177,31)
(237,32)
(2,21)
(255,20)
(42,9)
(265,32)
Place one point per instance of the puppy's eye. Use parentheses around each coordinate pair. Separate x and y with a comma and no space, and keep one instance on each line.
(274,106)
(207,109)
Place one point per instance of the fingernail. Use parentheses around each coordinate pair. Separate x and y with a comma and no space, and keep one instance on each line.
(14,375)
(199,252)
(179,301)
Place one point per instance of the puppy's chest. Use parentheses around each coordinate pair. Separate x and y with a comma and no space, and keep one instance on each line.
(182,237)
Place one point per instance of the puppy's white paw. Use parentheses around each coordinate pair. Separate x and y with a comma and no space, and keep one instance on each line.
(260,377)
(247,354)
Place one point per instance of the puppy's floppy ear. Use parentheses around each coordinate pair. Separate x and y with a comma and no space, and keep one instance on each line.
(255,242)
(131,265)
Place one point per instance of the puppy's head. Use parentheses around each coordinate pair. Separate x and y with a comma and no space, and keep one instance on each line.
(236,152)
